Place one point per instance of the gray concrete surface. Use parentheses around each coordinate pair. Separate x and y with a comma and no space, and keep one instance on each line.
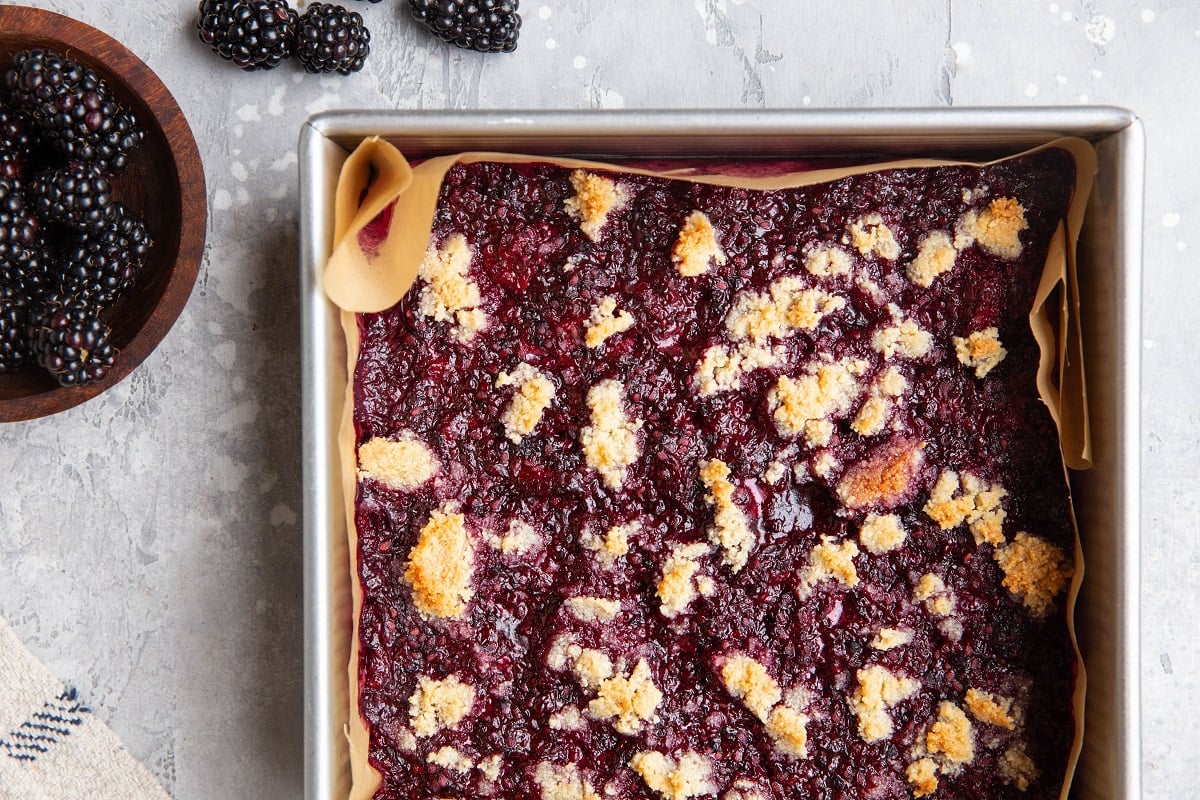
(150,540)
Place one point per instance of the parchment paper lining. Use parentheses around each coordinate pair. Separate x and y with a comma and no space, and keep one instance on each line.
(372,273)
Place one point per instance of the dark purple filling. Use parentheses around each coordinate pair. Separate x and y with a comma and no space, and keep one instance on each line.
(414,375)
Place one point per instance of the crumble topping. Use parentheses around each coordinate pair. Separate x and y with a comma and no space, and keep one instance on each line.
(490,766)
(803,406)
(997,229)
(1035,571)
(872,416)
(882,480)
(627,701)
(786,307)
(827,261)
(569,719)
(878,690)
(562,650)
(721,369)
(449,295)
(439,704)
(592,667)
(613,545)
(440,566)
(610,442)
(905,339)
(605,322)
(931,590)
(774,472)
(935,255)
(890,639)
(520,539)
(823,464)
(951,736)
(1017,768)
(891,383)
(956,499)
(831,560)
(871,236)
(450,758)
(696,246)
(731,532)
(980,350)
(881,533)
(402,463)
(563,782)
(749,681)
(678,587)
(595,198)
(534,395)
(593,609)
(788,730)
(743,790)
(922,776)
(989,708)
(674,780)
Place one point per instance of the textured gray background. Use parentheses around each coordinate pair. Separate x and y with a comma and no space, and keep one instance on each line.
(150,540)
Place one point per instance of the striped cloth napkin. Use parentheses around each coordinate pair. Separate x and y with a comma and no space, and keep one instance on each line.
(51,747)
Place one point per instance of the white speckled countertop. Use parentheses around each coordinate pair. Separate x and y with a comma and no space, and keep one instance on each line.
(150,539)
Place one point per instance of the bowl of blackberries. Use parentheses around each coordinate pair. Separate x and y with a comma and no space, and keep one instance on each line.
(102,212)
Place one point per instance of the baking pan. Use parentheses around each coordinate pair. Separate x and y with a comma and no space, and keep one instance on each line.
(1110,253)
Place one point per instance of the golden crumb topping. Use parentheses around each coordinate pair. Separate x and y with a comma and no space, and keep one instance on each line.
(922,776)
(593,609)
(1035,571)
(627,700)
(520,539)
(990,708)
(674,780)
(872,237)
(829,559)
(677,588)
(872,416)
(721,369)
(951,736)
(905,339)
(440,566)
(568,719)
(402,463)
(534,395)
(563,782)
(605,322)
(731,531)
(997,229)
(450,758)
(449,295)
(931,590)
(491,765)
(788,730)
(881,533)
(613,545)
(883,480)
(748,681)
(696,246)
(610,443)
(595,198)
(827,261)
(804,406)
(1017,768)
(786,307)
(980,350)
(878,690)
(891,383)
(890,639)
(935,256)
(439,704)
(965,498)
(592,667)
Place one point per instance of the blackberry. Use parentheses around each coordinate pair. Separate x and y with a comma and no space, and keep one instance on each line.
(330,38)
(70,340)
(100,265)
(253,34)
(76,111)
(30,274)
(489,26)
(77,195)
(14,339)
(16,142)
(18,226)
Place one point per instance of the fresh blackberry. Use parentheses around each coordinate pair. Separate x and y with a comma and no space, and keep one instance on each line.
(76,111)
(253,34)
(70,340)
(330,38)
(100,265)
(489,26)
(17,142)
(30,274)
(77,195)
(14,336)
(18,226)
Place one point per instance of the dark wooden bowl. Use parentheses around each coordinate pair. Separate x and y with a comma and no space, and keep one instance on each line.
(164,182)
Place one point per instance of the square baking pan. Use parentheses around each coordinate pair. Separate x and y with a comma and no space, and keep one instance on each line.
(1110,253)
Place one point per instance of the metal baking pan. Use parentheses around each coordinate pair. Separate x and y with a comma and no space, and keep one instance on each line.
(1110,280)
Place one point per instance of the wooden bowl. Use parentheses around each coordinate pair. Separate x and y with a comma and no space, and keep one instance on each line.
(164,182)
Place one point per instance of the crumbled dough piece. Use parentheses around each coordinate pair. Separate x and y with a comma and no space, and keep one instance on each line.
(569,719)
(905,339)
(935,256)
(881,533)
(627,701)
(1017,768)
(440,566)
(595,198)
(805,406)
(990,708)
(980,350)
(890,639)
(449,295)
(563,782)
(878,690)
(743,790)
(605,322)
(922,776)
(788,730)
(439,704)
(534,394)
(891,383)
(872,237)
(490,766)
(613,545)
(931,590)
(402,463)
(826,261)
(997,229)
(705,585)
(592,667)
(1035,571)
(731,531)
(562,650)
(696,246)
(593,609)
(882,480)
(520,539)
(677,587)
(749,681)
(450,758)
(831,560)
(956,499)
(674,780)
(823,464)
(872,416)
(951,736)
(721,369)
(786,307)
(774,472)
(610,443)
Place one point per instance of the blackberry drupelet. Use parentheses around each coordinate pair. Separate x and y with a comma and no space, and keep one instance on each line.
(489,26)
(77,195)
(330,38)
(14,340)
(253,34)
(70,340)
(18,226)
(101,265)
